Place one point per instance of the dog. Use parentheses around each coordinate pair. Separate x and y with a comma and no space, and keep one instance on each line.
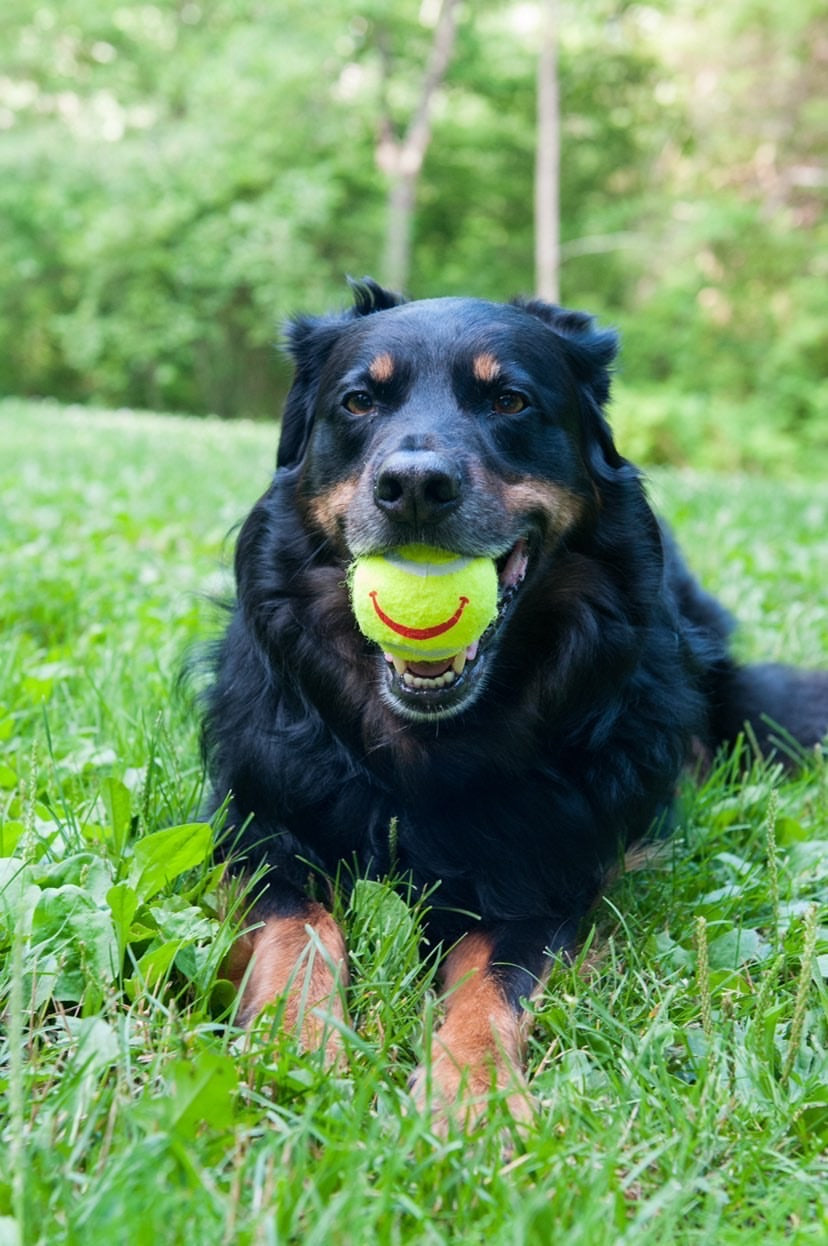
(502,784)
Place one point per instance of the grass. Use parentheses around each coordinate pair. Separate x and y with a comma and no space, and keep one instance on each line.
(681,1068)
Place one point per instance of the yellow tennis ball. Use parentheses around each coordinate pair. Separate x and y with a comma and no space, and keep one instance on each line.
(419,602)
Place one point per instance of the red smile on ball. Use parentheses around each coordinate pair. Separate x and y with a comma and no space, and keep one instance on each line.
(418,633)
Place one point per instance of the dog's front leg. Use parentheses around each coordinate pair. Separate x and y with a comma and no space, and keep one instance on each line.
(299,958)
(479,1047)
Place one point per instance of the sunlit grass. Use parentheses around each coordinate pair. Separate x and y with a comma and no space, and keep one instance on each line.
(681,1067)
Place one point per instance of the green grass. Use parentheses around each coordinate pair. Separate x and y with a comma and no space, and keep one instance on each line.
(681,1068)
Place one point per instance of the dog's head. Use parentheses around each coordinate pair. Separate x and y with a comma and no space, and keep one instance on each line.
(472,426)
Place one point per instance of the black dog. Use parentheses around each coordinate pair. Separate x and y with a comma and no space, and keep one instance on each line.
(514,778)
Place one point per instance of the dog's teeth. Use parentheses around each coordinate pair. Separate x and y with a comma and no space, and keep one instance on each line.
(471,652)
(399,664)
(459,663)
(421,682)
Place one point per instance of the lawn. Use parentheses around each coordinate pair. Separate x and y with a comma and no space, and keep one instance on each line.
(680,1068)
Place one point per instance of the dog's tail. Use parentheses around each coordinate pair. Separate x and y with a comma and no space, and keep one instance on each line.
(782,710)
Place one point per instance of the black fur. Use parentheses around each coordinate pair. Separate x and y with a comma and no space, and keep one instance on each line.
(565,743)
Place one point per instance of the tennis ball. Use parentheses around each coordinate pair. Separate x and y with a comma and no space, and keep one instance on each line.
(419,602)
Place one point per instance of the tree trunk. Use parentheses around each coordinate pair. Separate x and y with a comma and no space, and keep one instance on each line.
(402,197)
(547,160)
(401,157)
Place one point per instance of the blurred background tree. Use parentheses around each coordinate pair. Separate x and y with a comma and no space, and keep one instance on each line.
(176,177)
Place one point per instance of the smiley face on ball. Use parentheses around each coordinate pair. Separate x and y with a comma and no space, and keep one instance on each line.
(422,602)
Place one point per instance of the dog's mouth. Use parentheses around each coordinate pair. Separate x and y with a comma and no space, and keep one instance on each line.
(438,689)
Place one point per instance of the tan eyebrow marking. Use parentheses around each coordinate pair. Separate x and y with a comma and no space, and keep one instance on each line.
(485,367)
(382,368)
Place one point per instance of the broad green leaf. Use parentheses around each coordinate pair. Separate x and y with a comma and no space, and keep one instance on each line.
(160,858)
(737,947)
(90,872)
(203,1091)
(118,802)
(152,968)
(11,833)
(19,895)
(184,922)
(98,1046)
(68,925)
(123,903)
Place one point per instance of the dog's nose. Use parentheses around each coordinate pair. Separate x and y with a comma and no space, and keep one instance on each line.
(417,486)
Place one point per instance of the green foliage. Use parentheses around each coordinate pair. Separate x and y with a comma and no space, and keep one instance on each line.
(175,179)
(679,1068)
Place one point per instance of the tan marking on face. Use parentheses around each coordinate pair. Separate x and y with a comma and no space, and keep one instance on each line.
(561,507)
(330,509)
(300,959)
(485,367)
(381,369)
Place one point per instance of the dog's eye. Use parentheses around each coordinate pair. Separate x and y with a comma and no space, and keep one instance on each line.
(358,402)
(510,402)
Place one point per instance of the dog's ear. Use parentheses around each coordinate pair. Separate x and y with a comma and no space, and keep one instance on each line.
(590,352)
(371,297)
(309,340)
(590,349)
